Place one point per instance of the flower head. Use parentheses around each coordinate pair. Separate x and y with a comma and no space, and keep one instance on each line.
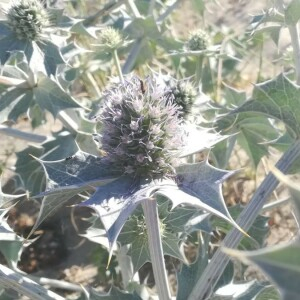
(149,133)
(111,38)
(27,18)
(198,40)
(184,95)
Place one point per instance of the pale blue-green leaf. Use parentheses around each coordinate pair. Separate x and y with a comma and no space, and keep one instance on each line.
(233,96)
(77,171)
(81,29)
(280,263)
(113,294)
(11,43)
(60,146)
(50,96)
(4,29)
(11,245)
(292,13)
(189,274)
(14,102)
(199,139)
(114,203)
(50,55)
(143,27)
(7,200)
(242,291)
(293,189)
(278,98)
(86,143)
(258,231)
(221,152)
(272,30)
(36,115)
(269,292)
(200,186)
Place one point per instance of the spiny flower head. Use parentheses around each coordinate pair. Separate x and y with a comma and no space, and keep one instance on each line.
(141,128)
(27,18)
(198,40)
(184,95)
(111,38)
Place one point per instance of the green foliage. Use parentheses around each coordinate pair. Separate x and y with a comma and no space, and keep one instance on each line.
(57,67)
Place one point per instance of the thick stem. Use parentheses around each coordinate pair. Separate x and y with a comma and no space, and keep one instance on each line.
(199,66)
(127,67)
(205,285)
(293,29)
(30,137)
(155,248)
(103,12)
(117,63)
(23,285)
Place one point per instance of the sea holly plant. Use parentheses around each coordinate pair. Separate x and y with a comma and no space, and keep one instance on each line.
(130,150)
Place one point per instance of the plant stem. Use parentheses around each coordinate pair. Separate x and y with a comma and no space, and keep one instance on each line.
(30,137)
(293,29)
(168,11)
(60,284)
(205,285)
(275,204)
(199,66)
(127,67)
(117,63)
(22,284)
(155,248)
(103,12)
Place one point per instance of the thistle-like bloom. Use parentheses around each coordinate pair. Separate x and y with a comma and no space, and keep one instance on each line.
(184,95)
(111,38)
(198,40)
(27,19)
(142,128)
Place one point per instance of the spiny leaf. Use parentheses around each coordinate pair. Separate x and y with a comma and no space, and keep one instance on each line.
(292,13)
(11,245)
(7,200)
(113,294)
(200,186)
(280,263)
(246,290)
(278,98)
(47,94)
(258,230)
(67,178)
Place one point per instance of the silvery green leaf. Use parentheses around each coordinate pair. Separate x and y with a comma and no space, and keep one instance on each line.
(253,290)
(113,294)
(258,231)
(11,245)
(280,263)
(277,98)
(200,186)
(67,178)
(173,223)
(47,94)
(61,145)
(7,200)
(189,274)
(292,13)
(199,139)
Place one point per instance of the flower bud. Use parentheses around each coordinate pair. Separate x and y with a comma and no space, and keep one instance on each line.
(198,40)
(27,19)
(111,39)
